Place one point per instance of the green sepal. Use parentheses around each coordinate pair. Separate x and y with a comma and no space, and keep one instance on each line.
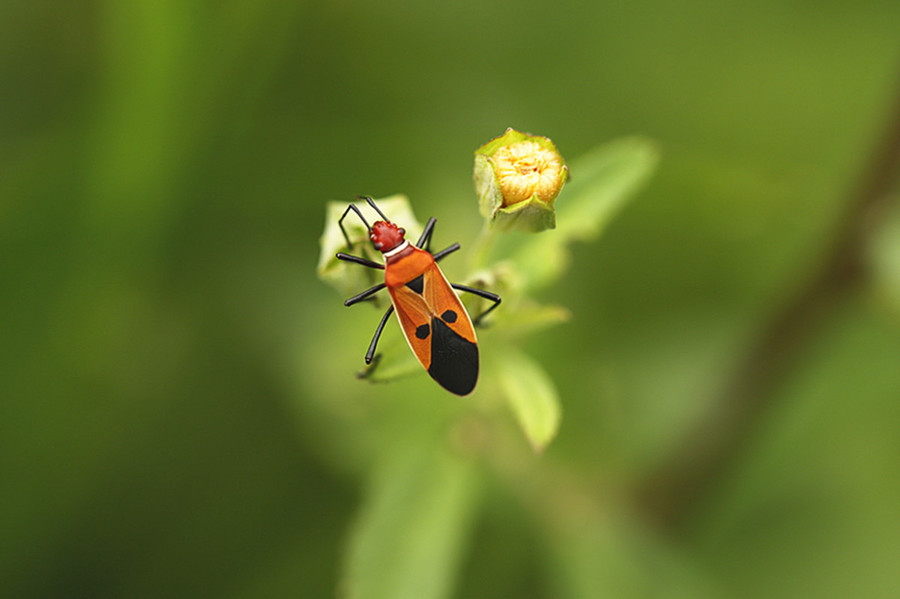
(486,186)
(511,136)
(530,216)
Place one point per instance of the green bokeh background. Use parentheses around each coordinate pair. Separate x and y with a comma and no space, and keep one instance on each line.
(178,413)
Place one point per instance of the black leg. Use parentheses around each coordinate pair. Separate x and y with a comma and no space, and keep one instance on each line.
(341,222)
(446,251)
(384,319)
(364,295)
(425,238)
(480,293)
(424,242)
(358,260)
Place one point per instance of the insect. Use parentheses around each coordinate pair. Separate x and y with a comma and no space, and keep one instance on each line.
(434,320)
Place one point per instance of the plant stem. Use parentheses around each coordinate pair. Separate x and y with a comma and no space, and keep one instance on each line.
(482,247)
(670,495)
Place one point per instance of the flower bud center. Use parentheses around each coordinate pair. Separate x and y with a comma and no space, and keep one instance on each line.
(525,169)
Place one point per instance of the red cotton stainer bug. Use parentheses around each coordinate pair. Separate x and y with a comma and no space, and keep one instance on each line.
(434,321)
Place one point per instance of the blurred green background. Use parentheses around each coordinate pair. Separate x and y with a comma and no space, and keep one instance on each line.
(178,412)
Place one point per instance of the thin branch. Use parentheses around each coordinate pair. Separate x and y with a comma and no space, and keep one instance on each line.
(670,495)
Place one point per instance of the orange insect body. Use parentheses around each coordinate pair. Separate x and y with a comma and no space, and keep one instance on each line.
(433,319)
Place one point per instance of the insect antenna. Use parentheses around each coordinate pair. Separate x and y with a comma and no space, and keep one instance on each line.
(361,217)
(372,204)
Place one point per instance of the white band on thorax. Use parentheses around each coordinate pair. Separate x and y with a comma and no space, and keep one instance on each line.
(397,249)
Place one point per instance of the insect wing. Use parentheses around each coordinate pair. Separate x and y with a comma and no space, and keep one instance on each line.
(438,330)
(412,312)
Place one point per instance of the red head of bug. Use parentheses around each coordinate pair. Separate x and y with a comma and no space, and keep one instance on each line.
(386,235)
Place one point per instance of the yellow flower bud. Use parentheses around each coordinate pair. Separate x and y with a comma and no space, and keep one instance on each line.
(525,170)
(517,178)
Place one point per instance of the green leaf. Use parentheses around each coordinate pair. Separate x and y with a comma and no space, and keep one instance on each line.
(411,533)
(601,184)
(531,395)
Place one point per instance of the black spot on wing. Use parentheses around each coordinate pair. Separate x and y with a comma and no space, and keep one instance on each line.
(448,316)
(422,331)
(454,360)
(417,284)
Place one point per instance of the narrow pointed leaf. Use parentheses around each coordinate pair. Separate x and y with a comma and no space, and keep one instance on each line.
(410,536)
(602,183)
(531,395)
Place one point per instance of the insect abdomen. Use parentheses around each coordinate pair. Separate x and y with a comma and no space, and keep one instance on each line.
(454,359)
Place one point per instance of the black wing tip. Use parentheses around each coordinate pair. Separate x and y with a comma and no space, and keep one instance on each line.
(454,360)
(457,389)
